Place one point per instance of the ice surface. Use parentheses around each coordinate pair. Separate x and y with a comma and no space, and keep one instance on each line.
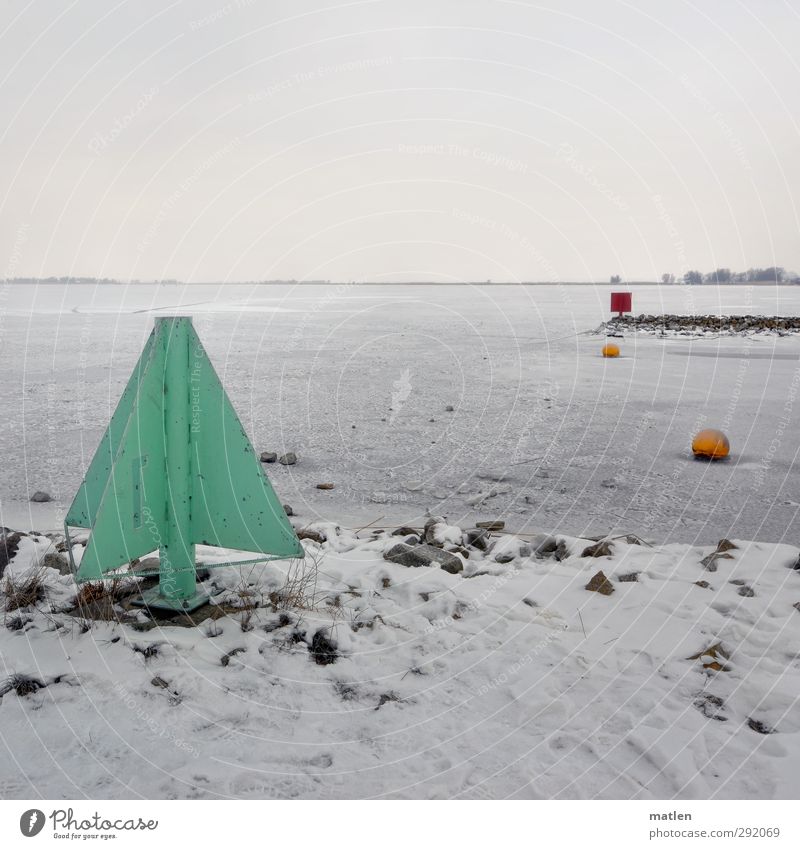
(356,380)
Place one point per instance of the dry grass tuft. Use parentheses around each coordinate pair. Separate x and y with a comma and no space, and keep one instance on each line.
(22,685)
(299,590)
(97,599)
(25,591)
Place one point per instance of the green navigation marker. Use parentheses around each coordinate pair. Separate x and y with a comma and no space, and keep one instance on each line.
(175,469)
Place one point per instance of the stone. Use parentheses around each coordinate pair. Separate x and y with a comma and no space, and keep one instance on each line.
(288,459)
(602,548)
(54,560)
(310,533)
(561,552)
(544,544)
(491,525)
(600,584)
(477,538)
(725,545)
(40,497)
(403,531)
(325,486)
(449,408)
(9,544)
(702,584)
(504,557)
(710,562)
(746,592)
(423,555)
(268,456)
(629,578)
(288,510)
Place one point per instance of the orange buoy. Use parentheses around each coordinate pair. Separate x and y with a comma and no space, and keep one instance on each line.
(711,444)
(610,350)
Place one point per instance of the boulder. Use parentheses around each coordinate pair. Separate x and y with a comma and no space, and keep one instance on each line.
(600,584)
(423,555)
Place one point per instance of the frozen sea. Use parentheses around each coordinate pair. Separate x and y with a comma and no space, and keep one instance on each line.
(356,380)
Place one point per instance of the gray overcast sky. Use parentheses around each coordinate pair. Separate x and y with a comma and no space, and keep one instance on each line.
(386,140)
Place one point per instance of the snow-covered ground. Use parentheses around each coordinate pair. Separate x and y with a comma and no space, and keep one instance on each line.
(356,380)
(506,680)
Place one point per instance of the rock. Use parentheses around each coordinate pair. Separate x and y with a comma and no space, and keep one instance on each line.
(41,497)
(544,544)
(504,557)
(602,548)
(600,584)
(403,531)
(54,560)
(149,564)
(325,486)
(492,525)
(561,552)
(309,533)
(796,606)
(437,532)
(268,456)
(629,578)
(288,510)
(703,584)
(288,459)
(423,555)
(449,408)
(725,545)
(710,562)
(746,592)
(477,538)
(9,544)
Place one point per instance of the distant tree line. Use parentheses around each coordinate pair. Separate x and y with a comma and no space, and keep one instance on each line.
(775,274)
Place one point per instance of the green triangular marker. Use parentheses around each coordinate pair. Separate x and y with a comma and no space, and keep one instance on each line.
(174,469)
